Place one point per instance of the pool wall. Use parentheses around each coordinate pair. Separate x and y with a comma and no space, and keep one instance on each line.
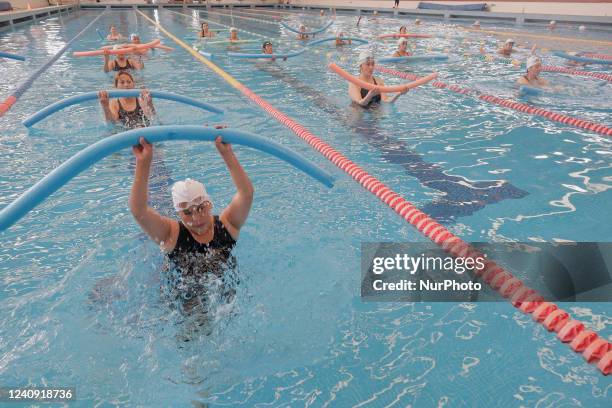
(517,12)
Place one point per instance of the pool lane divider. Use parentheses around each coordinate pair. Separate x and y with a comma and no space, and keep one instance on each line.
(517,106)
(8,55)
(592,347)
(27,83)
(598,56)
(123,93)
(514,34)
(92,154)
(563,70)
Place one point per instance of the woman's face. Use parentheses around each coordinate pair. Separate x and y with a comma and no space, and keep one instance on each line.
(535,70)
(124,82)
(205,27)
(268,49)
(197,218)
(402,30)
(367,68)
(136,40)
(233,35)
(113,30)
(508,46)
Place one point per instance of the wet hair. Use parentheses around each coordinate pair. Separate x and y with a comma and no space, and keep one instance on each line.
(122,73)
(265,44)
(404,27)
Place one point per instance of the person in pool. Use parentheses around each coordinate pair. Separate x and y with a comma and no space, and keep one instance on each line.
(417,21)
(340,40)
(197,242)
(402,44)
(476,25)
(507,49)
(266,48)
(532,77)
(114,34)
(205,32)
(364,97)
(302,35)
(403,30)
(552,25)
(233,34)
(130,112)
(121,62)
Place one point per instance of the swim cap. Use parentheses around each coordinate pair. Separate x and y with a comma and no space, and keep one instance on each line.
(188,191)
(302,26)
(132,36)
(233,29)
(552,22)
(364,56)
(417,21)
(401,41)
(533,60)
(476,23)
(509,41)
(582,28)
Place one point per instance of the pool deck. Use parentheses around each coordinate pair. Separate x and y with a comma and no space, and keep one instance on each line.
(15,17)
(597,13)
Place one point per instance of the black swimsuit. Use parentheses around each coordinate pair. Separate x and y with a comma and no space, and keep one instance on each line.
(133,119)
(364,92)
(116,66)
(198,267)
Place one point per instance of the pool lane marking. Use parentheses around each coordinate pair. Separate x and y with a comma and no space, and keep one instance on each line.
(593,347)
(541,36)
(517,106)
(27,83)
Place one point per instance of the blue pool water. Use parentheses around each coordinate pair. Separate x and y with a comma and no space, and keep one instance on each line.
(80,293)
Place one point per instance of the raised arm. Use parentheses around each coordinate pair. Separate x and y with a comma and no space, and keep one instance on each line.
(236,213)
(157,227)
(146,101)
(109,115)
(107,61)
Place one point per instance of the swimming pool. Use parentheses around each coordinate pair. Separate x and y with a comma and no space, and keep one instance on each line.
(81,285)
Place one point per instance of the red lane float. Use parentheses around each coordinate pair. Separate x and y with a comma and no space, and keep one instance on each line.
(128,49)
(403,36)
(521,107)
(563,70)
(386,89)
(523,297)
(598,56)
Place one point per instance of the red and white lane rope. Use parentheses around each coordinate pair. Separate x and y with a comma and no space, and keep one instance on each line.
(598,56)
(563,70)
(521,107)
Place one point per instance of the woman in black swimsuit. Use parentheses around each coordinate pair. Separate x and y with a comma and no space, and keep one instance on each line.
(130,112)
(121,63)
(364,97)
(199,244)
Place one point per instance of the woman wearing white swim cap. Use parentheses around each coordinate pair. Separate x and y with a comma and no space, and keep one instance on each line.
(532,77)
(364,97)
(198,240)
(233,34)
(302,35)
(402,44)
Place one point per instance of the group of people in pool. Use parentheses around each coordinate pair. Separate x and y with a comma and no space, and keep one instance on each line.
(197,243)
(266,47)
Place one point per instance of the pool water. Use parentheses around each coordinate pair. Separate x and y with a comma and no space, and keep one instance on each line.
(80,295)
